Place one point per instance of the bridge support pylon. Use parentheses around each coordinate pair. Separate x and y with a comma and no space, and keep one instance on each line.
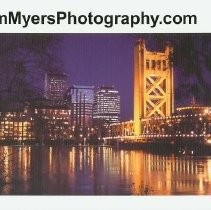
(153,84)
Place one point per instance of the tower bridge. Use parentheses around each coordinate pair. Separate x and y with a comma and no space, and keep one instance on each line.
(154,115)
(153,84)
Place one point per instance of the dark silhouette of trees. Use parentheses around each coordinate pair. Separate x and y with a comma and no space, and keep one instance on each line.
(24,58)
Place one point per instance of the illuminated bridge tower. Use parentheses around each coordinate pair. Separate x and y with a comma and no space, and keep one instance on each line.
(153,84)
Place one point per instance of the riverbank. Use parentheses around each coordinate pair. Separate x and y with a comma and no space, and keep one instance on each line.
(156,147)
(165,147)
(47,143)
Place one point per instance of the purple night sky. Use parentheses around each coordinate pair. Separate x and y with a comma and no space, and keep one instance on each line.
(101,59)
(107,59)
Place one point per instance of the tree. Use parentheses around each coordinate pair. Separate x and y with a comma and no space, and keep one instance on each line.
(24,58)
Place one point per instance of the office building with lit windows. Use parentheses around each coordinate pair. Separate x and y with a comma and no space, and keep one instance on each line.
(40,121)
(52,122)
(80,98)
(16,125)
(106,108)
(55,86)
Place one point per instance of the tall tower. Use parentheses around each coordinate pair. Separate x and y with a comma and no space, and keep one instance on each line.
(153,84)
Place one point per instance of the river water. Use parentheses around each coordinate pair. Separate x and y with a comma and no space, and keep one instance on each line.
(35,170)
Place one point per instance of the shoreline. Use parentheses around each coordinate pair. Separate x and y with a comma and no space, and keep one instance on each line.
(179,148)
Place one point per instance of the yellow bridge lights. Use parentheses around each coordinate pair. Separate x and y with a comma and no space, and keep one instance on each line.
(153,84)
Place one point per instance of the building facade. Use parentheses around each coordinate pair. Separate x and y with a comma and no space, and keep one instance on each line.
(81,98)
(106,108)
(55,86)
(17,125)
(40,122)
(52,123)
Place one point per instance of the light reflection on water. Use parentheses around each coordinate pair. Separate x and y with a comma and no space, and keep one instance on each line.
(100,171)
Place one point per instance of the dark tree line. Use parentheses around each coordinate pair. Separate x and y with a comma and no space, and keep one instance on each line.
(24,58)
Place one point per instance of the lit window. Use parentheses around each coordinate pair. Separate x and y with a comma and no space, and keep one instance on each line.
(147,64)
(153,64)
(164,65)
(159,64)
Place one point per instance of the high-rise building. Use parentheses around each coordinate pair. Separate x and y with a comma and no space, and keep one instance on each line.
(81,100)
(55,86)
(106,106)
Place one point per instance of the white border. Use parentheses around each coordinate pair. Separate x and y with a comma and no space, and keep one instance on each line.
(104,7)
(105,202)
(200,8)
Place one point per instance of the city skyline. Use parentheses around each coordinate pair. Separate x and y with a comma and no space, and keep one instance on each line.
(107,59)
(96,60)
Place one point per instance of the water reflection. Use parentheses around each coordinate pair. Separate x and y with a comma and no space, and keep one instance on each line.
(100,171)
